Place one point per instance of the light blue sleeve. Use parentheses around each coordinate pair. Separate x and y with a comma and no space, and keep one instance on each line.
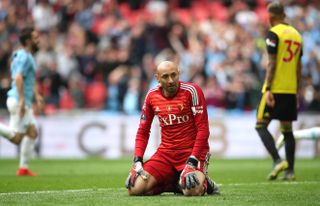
(20,61)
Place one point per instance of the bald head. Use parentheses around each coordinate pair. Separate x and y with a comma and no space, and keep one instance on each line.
(166,66)
(167,75)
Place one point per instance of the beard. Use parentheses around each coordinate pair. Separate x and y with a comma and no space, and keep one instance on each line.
(172,89)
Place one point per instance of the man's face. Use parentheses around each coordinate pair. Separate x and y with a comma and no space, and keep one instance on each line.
(168,77)
(35,41)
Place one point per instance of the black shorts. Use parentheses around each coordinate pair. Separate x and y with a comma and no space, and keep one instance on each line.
(285,108)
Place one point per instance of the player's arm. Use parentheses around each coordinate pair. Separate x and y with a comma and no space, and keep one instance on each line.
(271,68)
(201,145)
(141,143)
(19,62)
(188,177)
(272,47)
(19,85)
(143,133)
(299,69)
(38,99)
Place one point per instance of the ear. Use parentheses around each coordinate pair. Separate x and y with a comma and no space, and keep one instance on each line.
(157,77)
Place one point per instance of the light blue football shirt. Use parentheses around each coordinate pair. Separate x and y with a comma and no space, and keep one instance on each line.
(23,63)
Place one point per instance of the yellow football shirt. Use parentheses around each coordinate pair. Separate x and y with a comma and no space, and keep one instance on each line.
(286,42)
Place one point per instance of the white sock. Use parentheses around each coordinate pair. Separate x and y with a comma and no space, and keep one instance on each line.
(26,151)
(280,142)
(311,133)
(6,132)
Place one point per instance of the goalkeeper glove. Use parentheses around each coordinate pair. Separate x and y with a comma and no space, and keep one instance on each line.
(136,170)
(188,177)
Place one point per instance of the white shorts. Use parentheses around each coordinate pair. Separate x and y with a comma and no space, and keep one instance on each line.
(18,124)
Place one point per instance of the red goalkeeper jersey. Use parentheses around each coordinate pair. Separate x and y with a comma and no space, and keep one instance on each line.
(183,120)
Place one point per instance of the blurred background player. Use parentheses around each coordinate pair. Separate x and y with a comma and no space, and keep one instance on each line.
(183,154)
(310,133)
(279,99)
(22,128)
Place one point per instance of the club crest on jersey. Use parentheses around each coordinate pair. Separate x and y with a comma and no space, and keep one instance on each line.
(169,108)
(180,106)
(157,109)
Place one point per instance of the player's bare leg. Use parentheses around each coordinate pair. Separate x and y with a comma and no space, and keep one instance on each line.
(198,190)
(17,138)
(7,133)
(142,186)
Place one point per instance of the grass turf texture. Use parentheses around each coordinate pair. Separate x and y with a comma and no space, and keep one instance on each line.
(101,182)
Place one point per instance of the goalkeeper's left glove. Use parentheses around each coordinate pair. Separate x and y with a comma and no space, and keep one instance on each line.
(188,177)
(136,170)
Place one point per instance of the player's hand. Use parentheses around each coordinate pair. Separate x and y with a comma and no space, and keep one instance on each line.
(270,99)
(188,177)
(39,103)
(136,170)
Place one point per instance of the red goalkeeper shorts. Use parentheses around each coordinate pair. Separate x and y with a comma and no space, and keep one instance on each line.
(167,165)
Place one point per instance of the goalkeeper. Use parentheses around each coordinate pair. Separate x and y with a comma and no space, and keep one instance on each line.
(180,163)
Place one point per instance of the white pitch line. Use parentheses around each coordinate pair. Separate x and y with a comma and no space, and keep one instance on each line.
(123,189)
(61,191)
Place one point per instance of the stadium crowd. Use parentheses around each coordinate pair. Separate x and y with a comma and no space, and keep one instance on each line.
(101,54)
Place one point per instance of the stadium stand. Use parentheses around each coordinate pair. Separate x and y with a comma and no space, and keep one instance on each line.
(219,44)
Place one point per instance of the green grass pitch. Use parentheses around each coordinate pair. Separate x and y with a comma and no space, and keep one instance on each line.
(101,182)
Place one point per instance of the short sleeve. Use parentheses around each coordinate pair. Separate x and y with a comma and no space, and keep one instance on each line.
(272,42)
(20,61)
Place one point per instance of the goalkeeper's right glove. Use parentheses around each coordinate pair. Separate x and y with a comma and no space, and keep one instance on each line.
(136,170)
(188,177)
